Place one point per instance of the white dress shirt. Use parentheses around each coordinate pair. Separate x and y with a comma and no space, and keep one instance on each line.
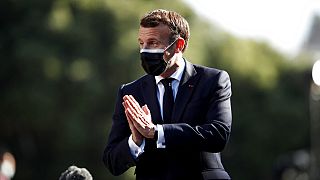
(137,150)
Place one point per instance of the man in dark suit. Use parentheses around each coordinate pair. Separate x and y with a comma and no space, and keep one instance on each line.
(173,122)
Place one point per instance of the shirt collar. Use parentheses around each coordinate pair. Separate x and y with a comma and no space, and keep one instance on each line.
(176,75)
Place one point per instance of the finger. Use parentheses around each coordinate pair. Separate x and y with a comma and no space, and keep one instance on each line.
(130,100)
(140,112)
(133,112)
(125,97)
(135,104)
(137,119)
(140,115)
(144,131)
(138,127)
(124,105)
(136,109)
(146,109)
(128,115)
(147,114)
(131,126)
(130,123)
(143,120)
(124,100)
(133,117)
(133,129)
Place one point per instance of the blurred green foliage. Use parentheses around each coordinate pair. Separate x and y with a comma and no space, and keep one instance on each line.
(62,62)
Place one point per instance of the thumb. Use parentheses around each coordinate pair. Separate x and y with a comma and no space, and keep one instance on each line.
(146,109)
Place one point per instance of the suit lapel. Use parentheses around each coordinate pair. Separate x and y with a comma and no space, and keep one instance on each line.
(149,90)
(186,88)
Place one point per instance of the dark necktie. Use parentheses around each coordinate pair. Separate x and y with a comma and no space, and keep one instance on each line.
(168,100)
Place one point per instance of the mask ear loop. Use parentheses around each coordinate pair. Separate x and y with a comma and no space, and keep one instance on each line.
(168,47)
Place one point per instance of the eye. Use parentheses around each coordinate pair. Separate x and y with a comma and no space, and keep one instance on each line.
(149,44)
(154,44)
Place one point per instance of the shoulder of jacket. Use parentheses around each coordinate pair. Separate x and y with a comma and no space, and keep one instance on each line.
(135,82)
(206,69)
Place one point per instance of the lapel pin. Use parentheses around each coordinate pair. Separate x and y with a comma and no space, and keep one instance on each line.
(190,86)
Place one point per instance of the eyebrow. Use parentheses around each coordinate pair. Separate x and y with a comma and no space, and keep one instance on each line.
(151,39)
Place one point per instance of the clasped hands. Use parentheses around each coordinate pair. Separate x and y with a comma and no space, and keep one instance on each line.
(139,119)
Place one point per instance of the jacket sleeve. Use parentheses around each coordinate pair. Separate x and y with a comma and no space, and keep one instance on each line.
(212,132)
(117,157)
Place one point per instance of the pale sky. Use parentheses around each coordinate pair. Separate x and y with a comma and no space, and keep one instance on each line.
(282,23)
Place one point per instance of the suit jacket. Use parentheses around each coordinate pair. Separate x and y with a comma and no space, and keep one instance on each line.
(198,132)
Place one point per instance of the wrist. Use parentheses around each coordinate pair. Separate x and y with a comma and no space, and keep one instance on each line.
(137,141)
(155,136)
(155,133)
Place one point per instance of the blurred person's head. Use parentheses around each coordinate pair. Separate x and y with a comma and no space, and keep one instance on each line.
(75,173)
(7,165)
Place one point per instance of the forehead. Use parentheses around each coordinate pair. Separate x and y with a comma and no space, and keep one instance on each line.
(160,32)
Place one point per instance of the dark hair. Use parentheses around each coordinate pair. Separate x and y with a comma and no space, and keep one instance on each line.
(177,24)
(75,173)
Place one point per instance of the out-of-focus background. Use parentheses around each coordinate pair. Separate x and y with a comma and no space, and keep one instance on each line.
(62,62)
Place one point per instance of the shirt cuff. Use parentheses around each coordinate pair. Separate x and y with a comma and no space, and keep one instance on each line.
(135,149)
(161,142)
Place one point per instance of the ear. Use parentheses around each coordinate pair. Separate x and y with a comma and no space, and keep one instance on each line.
(180,45)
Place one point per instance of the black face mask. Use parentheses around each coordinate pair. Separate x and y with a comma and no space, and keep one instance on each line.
(152,60)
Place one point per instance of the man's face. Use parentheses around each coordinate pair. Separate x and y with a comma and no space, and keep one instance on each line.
(154,37)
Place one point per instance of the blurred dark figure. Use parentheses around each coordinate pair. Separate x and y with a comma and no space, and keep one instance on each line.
(292,166)
(75,173)
(7,165)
